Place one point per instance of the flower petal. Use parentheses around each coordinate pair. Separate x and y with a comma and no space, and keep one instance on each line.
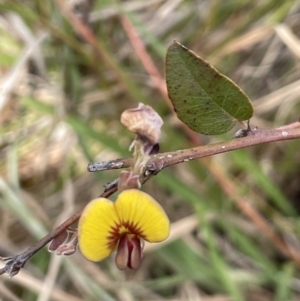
(135,258)
(95,228)
(139,211)
(121,258)
(129,253)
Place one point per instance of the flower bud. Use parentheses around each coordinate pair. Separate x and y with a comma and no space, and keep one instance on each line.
(58,241)
(143,121)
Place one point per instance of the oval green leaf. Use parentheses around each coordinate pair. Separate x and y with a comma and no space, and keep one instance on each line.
(207,101)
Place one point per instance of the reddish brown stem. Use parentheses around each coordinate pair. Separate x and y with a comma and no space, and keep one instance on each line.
(15,263)
(254,138)
(163,160)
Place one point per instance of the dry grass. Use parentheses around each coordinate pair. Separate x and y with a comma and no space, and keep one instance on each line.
(62,92)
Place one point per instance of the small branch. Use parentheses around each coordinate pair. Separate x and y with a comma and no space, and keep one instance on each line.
(169,159)
(108,165)
(163,160)
(15,263)
(155,165)
(290,126)
(255,137)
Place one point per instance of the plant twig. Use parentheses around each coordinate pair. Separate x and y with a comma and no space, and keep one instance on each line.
(162,160)
(15,263)
(255,137)
(108,165)
(249,211)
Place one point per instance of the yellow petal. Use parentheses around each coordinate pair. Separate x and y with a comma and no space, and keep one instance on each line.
(95,224)
(143,213)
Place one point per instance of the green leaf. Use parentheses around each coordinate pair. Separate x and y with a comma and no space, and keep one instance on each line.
(207,101)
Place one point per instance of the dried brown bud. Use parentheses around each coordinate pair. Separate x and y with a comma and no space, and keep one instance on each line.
(66,250)
(69,248)
(143,121)
(58,241)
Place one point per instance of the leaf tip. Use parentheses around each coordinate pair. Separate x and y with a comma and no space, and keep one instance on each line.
(177,44)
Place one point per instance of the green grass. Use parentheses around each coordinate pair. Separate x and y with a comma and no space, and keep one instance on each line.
(58,118)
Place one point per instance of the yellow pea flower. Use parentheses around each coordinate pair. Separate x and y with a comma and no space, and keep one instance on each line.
(124,224)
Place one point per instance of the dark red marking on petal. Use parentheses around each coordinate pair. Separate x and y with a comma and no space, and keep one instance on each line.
(115,232)
(132,228)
